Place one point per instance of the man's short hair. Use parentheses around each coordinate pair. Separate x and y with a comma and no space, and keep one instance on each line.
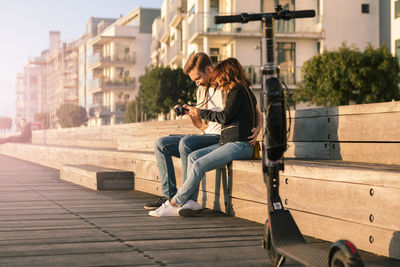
(199,61)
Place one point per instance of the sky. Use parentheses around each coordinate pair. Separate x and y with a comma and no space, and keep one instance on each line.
(25,27)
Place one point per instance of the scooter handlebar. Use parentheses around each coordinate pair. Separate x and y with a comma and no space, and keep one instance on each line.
(301,14)
(244,17)
(228,19)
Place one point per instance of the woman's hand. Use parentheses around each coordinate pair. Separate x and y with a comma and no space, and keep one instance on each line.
(192,111)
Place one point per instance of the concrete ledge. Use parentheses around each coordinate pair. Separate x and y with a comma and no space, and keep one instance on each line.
(97,178)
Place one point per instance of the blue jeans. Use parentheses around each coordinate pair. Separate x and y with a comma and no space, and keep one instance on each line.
(207,159)
(178,146)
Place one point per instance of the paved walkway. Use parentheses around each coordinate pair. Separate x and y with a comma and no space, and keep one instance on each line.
(48,222)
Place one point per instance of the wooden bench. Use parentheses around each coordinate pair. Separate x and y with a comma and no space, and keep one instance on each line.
(332,193)
(97,178)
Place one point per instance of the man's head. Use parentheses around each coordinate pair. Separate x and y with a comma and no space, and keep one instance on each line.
(198,67)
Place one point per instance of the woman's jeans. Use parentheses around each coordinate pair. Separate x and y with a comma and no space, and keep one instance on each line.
(207,159)
(178,146)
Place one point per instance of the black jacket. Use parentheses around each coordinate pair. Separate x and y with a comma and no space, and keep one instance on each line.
(237,117)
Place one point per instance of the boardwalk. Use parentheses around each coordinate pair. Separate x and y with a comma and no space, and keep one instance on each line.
(48,222)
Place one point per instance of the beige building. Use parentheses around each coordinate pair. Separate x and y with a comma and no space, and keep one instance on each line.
(186,26)
(62,75)
(113,57)
(395,27)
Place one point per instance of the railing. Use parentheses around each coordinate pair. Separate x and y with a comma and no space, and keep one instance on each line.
(174,51)
(93,59)
(287,75)
(107,84)
(178,7)
(203,23)
(103,111)
(308,25)
(98,59)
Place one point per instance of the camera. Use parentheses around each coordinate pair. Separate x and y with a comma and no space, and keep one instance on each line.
(179,110)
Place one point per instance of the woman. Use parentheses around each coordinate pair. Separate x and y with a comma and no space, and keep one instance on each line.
(237,120)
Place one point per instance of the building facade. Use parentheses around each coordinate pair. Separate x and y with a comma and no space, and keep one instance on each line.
(112,58)
(62,75)
(186,26)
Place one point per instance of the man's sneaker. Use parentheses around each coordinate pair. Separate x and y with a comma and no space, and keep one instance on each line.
(155,204)
(166,209)
(190,208)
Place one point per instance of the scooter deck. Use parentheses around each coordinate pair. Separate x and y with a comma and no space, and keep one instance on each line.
(289,242)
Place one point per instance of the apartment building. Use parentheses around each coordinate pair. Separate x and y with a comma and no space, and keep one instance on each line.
(30,89)
(113,57)
(20,101)
(62,75)
(395,27)
(186,26)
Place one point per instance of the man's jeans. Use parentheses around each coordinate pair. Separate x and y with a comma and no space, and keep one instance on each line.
(178,146)
(207,159)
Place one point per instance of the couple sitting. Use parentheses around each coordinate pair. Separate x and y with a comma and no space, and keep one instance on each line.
(226,114)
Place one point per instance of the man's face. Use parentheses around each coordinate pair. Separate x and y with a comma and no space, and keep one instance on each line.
(23,123)
(199,77)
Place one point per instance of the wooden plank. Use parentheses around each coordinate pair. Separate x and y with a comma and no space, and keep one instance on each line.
(97,178)
(308,150)
(384,153)
(386,107)
(345,201)
(382,127)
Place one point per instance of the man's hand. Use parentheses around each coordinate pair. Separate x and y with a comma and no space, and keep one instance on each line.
(194,115)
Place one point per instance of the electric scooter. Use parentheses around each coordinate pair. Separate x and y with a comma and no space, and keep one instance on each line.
(282,237)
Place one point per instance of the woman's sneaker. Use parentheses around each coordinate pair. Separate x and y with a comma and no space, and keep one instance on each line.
(166,209)
(155,204)
(190,208)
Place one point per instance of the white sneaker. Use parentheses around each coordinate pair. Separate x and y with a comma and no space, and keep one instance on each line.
(190,208)
(166,209)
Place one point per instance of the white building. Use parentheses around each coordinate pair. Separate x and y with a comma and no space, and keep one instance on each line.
(186,26)
(116,55)
(395,27)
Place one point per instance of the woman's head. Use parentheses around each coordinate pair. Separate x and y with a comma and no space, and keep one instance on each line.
(228,73)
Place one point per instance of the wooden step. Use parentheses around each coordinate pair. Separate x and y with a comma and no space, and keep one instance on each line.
(97,178)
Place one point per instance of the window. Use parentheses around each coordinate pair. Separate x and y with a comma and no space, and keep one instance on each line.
(287,62)
(192,10)
(365,8)
(397,9)
(214,55)
(397,49)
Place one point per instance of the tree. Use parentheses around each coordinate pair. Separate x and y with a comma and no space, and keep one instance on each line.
(349,75)
(44,119)
(161,88)
(70,115)
(131,112)
(5,123)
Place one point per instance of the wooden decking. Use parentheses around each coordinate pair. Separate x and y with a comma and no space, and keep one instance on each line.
(45,221)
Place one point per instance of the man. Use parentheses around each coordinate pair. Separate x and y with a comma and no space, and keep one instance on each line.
(198,67)
(24,137)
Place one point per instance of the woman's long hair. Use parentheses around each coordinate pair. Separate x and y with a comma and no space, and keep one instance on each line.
(230,73)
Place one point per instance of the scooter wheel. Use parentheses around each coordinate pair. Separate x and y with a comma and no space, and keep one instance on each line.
(344,254)
(339,259)
(275,258)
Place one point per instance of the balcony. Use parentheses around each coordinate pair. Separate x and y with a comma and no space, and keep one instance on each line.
(305,28)
(97,61)
(176,12)
(105,111)
(106,85)
(175,54)
(254,74)
(202,24)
